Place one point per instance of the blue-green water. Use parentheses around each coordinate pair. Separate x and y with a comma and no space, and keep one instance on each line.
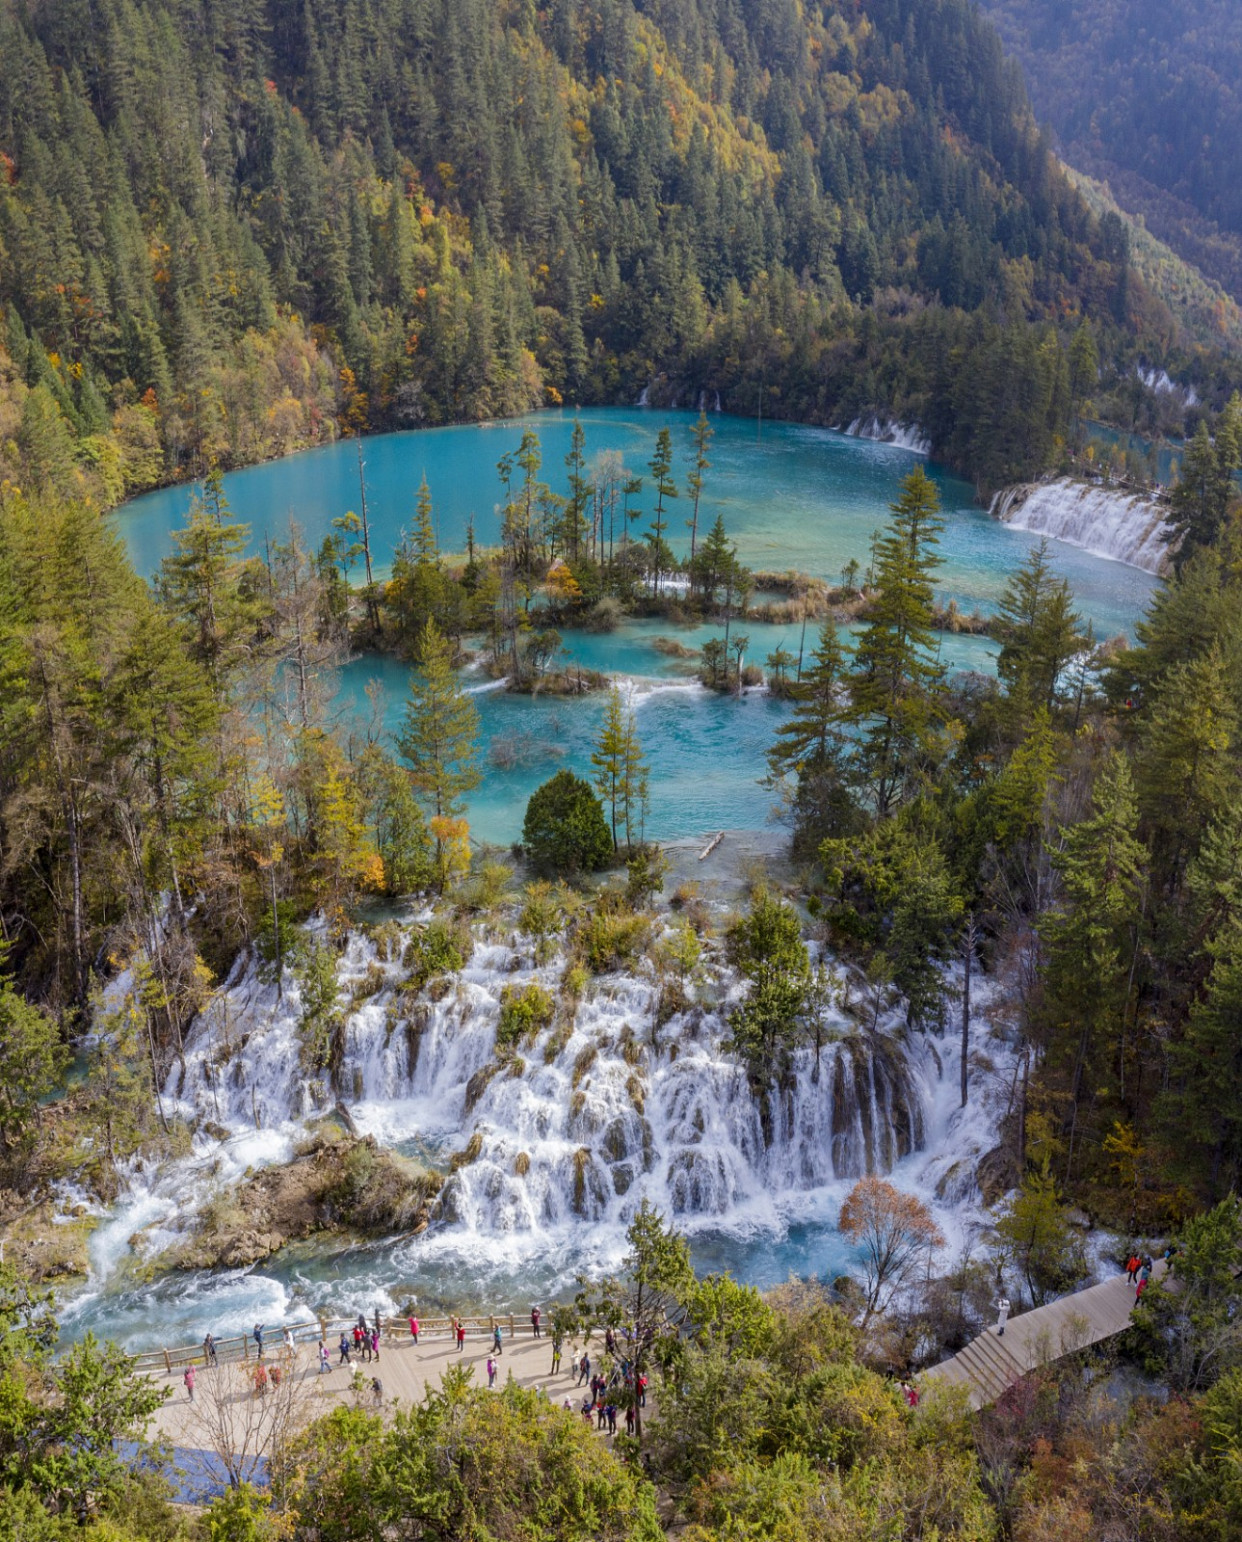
(791,497)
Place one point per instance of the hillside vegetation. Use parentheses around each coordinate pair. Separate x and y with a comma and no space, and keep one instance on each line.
(229,229)
(1148,94)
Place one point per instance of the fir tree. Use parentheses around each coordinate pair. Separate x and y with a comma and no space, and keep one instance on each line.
(661,466)
(701,436)
(440,730)
(896,679)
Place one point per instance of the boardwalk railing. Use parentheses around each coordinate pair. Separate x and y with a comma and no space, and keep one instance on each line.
(243,1347)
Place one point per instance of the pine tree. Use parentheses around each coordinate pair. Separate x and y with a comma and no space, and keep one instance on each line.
(621,773)
(579,500)
(204,584)
(440,730)
(1092,941)
(661,465)
(1200,500)
(895,681)
(701,435)
(1039,633)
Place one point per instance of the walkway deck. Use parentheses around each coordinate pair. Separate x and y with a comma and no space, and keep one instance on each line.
(224,1399)
(991,1364)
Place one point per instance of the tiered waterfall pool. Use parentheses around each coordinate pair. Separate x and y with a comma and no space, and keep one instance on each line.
(792,497)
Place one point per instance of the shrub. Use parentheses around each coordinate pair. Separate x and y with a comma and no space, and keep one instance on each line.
(565,830)
(439,948)
(612,938)
(524,1012)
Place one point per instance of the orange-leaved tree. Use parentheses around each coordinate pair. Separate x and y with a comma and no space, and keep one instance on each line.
(895,1232)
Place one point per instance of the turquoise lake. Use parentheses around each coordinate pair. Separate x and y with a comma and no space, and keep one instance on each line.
(791,497)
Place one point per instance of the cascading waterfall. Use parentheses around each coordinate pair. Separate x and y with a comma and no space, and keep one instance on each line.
(902,436)
(1127,527)
(604,1107)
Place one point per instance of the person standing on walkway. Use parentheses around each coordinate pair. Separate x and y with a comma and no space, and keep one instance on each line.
(377,1390)
(209,1351)
(1002,1316)
(491,1371)
(461,1337)
(1132,1266)
(497,1346)
(258,1337)
(375,1338)
(188,1378)
(325,1360)
(556,1356)
(344,1360)
(414,1330)
(584,1367)
(534,1320)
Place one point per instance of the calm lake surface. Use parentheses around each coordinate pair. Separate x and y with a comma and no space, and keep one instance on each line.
(791,497)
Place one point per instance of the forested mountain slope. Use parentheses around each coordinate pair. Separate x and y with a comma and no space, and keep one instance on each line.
(1147,93)
(229,227)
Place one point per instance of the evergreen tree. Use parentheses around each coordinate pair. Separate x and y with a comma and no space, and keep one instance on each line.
(621,773)
(1200,499)
(661,466)
(1092,941)
(440,730)
(701,436)
(895,681)
(809,762)
(1039,633)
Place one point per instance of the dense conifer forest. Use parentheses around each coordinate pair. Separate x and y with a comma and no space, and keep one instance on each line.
(231,229)
(1149,95)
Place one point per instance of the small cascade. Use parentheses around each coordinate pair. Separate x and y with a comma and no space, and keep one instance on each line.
(603,1108)
(644,397)
(1127,527)
(902,436)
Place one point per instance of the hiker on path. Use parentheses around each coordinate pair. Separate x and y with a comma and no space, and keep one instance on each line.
(209,1351)
(258,1337)
(491,1371)
(461,1337)
(584,1368)
(377,1389)
(556,1356)
(188,1378)
(497,1346)
(325,1360)
(414,1330)
(344,1360)
(534,1320)
(1002,1310)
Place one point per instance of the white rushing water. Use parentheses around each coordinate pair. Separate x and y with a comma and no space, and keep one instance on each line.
(628,1094)
(1127,527)
(902,436)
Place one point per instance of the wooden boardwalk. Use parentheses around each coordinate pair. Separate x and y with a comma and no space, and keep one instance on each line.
(992,1363)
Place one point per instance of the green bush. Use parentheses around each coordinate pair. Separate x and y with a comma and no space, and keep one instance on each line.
(565,830)
(524,1012)
(439,948)
(612,938)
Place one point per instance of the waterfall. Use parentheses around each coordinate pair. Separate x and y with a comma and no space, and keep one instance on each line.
(902,436)
(1127,527)
(609,1103)
(643,397)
